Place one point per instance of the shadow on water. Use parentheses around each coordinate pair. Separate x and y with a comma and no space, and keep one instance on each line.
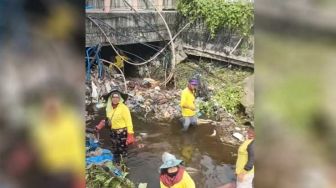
(209,162)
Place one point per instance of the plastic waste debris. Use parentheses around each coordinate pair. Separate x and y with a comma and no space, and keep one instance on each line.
(117,172)
(104,157)
(100,105)
(142,185)
(141,146)
(213,133)
(94,93)
(191,170)
(143,134)
(237,129)
(108,87)
(238,136)
(92,143)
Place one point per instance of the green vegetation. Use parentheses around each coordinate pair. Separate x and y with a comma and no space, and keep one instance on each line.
(230,97)
(97,177)
(226,84)
(218,14)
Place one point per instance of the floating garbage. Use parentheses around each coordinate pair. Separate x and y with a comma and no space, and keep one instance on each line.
(141,146)
(204,121)
(213,133)
(142,185)
(191,170)
(143,134)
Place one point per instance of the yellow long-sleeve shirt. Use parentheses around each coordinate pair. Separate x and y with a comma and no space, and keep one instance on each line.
(60,142)
(119,61)
(120,117)
(187,99)
(243,158)
(186,182)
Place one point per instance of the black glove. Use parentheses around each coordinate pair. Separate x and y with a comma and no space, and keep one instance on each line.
(107,122)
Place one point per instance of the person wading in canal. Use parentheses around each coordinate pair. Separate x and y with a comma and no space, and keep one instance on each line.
(245,161)
(172,174)
(118,118)
(188,105)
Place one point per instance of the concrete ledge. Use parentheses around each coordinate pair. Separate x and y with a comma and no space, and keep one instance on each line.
(241,61)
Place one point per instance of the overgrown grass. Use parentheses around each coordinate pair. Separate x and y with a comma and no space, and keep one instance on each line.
(227,85)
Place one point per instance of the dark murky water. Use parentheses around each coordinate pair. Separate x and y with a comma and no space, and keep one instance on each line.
(208,162)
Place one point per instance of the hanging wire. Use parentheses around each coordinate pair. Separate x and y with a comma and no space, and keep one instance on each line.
(154,47)
(92,19)
(109,62)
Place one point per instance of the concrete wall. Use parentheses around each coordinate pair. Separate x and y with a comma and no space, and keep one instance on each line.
(113,5)
(128,27)
(198,41)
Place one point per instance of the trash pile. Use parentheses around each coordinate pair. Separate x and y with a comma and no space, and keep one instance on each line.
(154,103)
(98,87)
(101,171)
(229,132)
(145,96)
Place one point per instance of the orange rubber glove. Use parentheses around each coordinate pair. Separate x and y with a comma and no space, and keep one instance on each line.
(130,138)
(100,125)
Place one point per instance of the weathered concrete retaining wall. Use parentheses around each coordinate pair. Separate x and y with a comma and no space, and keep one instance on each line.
(197,41)
(128,27)
(112,5)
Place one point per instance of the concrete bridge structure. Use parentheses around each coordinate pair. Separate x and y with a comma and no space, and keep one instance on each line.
(137,21)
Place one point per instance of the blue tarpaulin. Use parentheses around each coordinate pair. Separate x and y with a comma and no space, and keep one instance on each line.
(104,157)
(92,145)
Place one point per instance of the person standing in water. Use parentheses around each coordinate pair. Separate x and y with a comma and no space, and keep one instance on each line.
(118,118)
(188,104)
(245,161)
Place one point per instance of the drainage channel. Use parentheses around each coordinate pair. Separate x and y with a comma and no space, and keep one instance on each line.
(209,162)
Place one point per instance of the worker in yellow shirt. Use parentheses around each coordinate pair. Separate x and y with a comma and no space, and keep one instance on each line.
(118,118)
(245,161)
(57,133)
(119,61)
(188,104)
(172,174)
